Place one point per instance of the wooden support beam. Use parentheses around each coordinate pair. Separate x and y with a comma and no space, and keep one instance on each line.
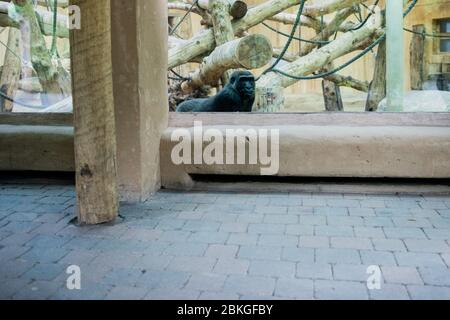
(377,90)
(11,69)
(236,8)
(417,60)
(140,93)
(95,136)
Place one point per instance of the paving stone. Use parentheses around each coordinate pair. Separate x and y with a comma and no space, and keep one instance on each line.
(89,291)
(12,252)
(429,292)
(295,288)
(126,293)
(432,204)
(250,218)
(334,231)
(209,237)
(206,282)
(266,228)
(243,239)
(438,246)
(164,279)
(10,287)
(340,290)
(313,220)
(298,229)
(343,203)
(401,275)
(351,243)
(260,253)
(285,219)
(345,221)
(270,210)
(436,275)
(214,296)
(372,203)
(414,259)
(37,290)
(153,262)
(166,294)
(350,272)
(175,236)
(314,203)
(402,204)
(314,242)
(346,256)
(446,257)
(388,245)
(314,270)
(411,222)
(45,255)
(14,268)
(404,233)
(44,271)
(437,234)
(250,285)
(361,212)
(231,266)
(378,222)
(369,232)
(234,227)
(389,292)
(378,258)
(221,251)
(278,240)
(123,277)
(272,268)
(192,264)
(328,211)
(302,211)
(305,255)
(441,223)
(186,249)
(117,259)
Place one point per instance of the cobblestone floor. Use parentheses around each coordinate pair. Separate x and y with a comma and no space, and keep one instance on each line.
(226,246)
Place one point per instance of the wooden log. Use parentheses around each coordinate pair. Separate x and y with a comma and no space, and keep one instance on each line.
(44,17)
(11,69)
(332,96)
(417,60)
(377,91)
(222,27)
(236,8)
(203,42)
(251,52)
(308,64)
(95,139)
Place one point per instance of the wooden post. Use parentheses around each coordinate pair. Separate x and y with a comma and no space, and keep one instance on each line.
(11,69)
(95,140)
(417,61)
(332,96)
(140,38)
(377,90)
(395,62)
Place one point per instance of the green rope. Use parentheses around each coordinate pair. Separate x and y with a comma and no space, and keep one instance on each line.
(184,17)
(288,43)
(294,38)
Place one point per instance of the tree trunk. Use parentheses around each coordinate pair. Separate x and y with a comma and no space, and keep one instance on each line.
(251,52)
(95,137)
(417,61)
(11,69)
(332,96)
(377,91)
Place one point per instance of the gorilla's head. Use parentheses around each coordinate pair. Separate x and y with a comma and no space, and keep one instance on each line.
(244,83)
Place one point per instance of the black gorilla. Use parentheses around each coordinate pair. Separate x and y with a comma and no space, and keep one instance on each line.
(237,96)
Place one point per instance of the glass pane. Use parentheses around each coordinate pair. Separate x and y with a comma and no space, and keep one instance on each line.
(445,26)
(445,45)
(35,58)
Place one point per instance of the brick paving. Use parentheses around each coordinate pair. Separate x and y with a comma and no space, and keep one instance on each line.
(212,245)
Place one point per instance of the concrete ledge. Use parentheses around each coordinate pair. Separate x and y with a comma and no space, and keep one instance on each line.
(36,148)
(335,151)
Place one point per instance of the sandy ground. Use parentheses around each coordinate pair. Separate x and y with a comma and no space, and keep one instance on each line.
(313,102)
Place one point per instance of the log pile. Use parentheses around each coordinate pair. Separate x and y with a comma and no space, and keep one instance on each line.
(226,29)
